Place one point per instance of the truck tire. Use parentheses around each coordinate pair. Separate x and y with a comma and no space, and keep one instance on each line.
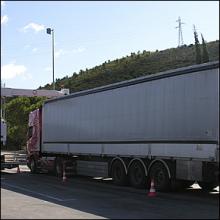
(33,165)
(137,176)
(118,173)
(159,174)
(207,186)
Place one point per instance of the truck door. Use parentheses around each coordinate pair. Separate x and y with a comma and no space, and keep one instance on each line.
(33,135)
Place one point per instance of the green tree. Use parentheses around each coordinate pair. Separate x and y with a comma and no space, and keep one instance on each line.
(197,47)
(205,54)
(17,112)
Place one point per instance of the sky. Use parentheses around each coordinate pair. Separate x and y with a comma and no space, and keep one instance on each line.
(88,33)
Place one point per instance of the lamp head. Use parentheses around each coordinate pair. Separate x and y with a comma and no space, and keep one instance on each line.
(49,30)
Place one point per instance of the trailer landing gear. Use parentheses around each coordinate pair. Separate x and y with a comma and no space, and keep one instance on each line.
(58,167)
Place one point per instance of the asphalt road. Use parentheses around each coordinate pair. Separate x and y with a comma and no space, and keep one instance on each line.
(31,196)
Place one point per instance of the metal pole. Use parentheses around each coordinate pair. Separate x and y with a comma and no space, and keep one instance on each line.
(1,107)
(53,56)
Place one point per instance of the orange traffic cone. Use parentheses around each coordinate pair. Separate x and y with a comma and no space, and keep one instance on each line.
(64,176)
(18,170)
(152,191)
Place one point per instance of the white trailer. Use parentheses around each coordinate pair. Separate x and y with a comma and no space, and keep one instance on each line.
(163,126)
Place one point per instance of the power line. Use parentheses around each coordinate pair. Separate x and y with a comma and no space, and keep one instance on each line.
(180,34)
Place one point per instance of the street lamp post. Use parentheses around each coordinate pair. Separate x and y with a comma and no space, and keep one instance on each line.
(49,30)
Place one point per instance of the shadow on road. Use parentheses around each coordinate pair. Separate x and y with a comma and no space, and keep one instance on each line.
(102,198)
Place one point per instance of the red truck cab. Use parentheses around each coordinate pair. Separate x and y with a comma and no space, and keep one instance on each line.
(34,138)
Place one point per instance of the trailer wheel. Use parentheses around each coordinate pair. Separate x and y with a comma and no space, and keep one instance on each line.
(159,174)
(33,165)
(58,168)
(136,175)
(118,173)
(207,186)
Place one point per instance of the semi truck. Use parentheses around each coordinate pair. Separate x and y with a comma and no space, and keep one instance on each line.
(162,127)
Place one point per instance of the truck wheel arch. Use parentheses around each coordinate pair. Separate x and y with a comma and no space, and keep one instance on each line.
(163,162)
(141,161)
(121,160)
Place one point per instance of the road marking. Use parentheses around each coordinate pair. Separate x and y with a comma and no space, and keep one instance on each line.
(37,193)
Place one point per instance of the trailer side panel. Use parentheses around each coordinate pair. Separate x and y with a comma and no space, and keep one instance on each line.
(183,108)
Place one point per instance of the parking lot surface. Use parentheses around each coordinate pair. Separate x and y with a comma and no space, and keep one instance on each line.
(30,196)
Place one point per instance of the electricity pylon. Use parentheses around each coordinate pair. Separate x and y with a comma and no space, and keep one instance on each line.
(180,34)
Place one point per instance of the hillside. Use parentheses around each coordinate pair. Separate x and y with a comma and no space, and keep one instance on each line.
(134,65)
